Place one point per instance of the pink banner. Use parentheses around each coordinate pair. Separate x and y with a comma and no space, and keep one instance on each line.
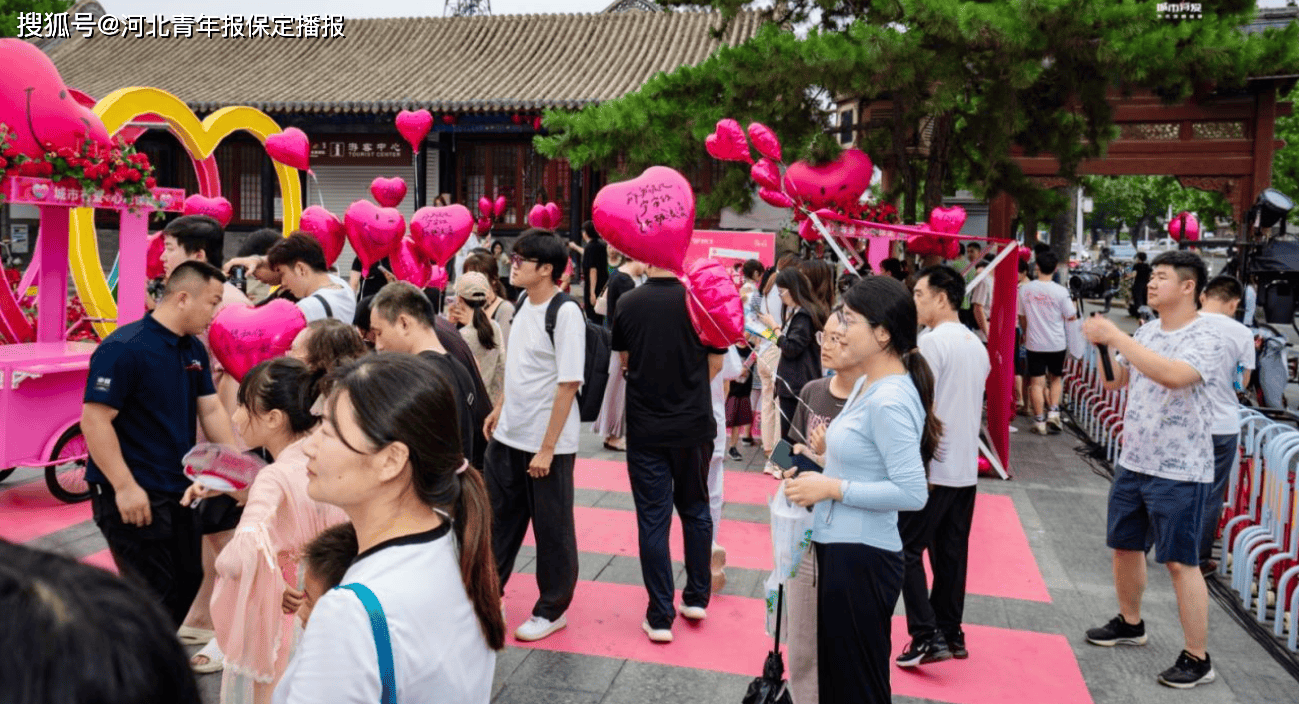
(732,248)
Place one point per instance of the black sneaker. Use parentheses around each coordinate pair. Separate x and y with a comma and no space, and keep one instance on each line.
(748,441)
(735,455)
(1118,632)
(924,651)
(1188,671)
(956,644)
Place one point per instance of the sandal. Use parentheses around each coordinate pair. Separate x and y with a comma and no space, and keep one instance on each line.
(215,660)
(195,636)
(615,448)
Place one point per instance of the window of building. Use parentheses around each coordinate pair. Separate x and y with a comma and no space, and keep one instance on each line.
(516,171)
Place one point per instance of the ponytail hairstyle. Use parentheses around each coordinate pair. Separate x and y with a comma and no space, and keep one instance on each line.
(472,288)
(281,384)
(885,302)
(397,398)
(482,325)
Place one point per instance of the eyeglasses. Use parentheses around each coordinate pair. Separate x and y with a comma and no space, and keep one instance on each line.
(518,259)
(835,339)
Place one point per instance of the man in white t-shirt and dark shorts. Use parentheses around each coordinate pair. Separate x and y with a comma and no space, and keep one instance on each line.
(1165,470)
(534,433)
(1218,304)
(1044,309)
(960,365)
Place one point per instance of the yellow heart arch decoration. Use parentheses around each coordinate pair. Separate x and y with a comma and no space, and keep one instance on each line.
(200,140)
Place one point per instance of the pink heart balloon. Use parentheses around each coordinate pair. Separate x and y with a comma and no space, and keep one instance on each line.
(216,208)
(242,336)
(926,245)
(764,140)
(537,217)
(37,107)
(437,278)
(650,218)
(766,173)
(373,231)
(441,232)
(154,268)
(808,231)
(951,248)
(291,148)
(728,143)
(498,208)
(388,192)
(408,263)
(1192,231)
(714,304)
(838,183)
(775,198)
(1025,253)
(484,225)
(947,220)
(326,228)
(553,216)
(485,207)
(414,126)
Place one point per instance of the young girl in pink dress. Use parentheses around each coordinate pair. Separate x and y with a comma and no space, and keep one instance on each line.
(279,519)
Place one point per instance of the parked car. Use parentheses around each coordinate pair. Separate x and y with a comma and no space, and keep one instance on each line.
(1122,252)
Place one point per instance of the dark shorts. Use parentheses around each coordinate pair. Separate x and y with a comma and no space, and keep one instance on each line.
(219,513)
(1174,510)
(1043,363)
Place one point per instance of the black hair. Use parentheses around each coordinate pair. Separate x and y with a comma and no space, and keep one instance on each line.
(845,282)
(1141,256)
(281,384)
(820,274)
(74,633)
(545,248)
(893,267)
(399,398)
(1041,247)
(188,272)
(330,554)
(1022,267)
(199,233)
(800,290)
(1188,265)
(752,268)
(975,245)
(259,242)
(495,244)
(1225,288)
(1046,263)
(297,247)
(946,279)
(487,265)
(401,297)
(589,228)
(481,323)
(361,319)
(885,302)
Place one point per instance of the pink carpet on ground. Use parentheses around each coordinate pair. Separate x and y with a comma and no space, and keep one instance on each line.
(1005,666)
(29,511)
(608,475)
(102,559)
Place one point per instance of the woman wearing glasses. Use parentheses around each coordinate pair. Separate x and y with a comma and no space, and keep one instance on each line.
(876,451)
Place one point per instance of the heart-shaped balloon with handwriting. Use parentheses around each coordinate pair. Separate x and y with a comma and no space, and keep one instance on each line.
(242,336)
(714,304)
(373,231)
(838,183)
(217,208)
(414,126)
(388,192)
(764,140)
(948,220)
(326,228)
(728,143)
(291,148)
(409,263)
(441,232)
(650,218)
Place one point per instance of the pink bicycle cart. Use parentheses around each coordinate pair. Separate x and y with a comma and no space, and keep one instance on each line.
(42,374)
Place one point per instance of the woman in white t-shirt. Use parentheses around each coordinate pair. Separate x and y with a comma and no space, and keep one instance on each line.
(388,457)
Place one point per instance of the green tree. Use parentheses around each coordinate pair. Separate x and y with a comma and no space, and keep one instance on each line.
(1134,201)
(989,76)
(1285,163)
(10,9)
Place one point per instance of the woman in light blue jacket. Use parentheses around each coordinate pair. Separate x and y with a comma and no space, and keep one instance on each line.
(877,452)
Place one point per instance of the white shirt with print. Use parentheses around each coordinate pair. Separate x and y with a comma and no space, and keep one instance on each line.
(534,368)
(1046,306)
(1238,343)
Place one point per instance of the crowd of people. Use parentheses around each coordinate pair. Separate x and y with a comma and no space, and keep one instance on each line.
(412,445)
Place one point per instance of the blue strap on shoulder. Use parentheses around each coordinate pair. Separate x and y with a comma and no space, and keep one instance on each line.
(382,642)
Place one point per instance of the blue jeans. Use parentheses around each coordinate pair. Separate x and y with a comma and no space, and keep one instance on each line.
(1173,511)
(663,477)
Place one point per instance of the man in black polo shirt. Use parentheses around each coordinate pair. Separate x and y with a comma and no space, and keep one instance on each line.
(670,433)
(150,383)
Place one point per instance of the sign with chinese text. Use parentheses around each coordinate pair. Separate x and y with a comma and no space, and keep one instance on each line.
(353,149)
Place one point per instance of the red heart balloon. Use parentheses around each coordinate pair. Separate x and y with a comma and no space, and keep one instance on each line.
(36,105)
(242,336)
(650,218)
(216,208)
(414,126)
(537,217)
(437,278)
(838,183)
(326,228)
(441,232)
(714,304)
(373,231)
(947,220)
(764,140)
(728,143)
(775,198)
(154,268)
(766,173)
(498,208)
(485,207)
(409,264)
(807,230)
(1192,231)
(291,148)
(484,225)
(388,192)
(553,216)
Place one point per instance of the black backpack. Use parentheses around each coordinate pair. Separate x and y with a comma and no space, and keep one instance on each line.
(595,375)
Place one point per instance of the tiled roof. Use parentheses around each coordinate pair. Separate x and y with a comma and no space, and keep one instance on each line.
(456,64)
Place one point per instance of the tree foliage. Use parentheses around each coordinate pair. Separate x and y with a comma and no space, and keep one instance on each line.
(990,75)
(1131,201)
(1285,163)
(10,9)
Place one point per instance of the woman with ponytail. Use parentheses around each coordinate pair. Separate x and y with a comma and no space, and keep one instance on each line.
(388,455)
(877,451)
(482,334)
(258,566)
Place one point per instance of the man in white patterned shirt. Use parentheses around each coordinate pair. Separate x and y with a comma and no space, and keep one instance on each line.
(1165,469)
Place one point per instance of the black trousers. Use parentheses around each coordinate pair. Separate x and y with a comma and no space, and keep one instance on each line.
(546,503)
(663,477)
(165,557)
(857,587)
(943,528)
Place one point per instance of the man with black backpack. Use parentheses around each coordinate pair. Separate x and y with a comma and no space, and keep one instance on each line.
(534,431)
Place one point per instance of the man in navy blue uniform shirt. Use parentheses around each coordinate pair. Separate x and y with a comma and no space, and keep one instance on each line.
(150,383)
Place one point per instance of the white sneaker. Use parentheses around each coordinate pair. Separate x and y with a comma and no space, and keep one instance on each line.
(694,613)
(1013,429)
(658,635)
(1039,429)
(718,568)
(1053,420)
(536,628)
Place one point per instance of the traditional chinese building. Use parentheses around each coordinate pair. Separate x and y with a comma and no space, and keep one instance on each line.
(485,79)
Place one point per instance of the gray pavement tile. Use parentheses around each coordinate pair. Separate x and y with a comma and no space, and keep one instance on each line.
(525,694)
(566,671)
(507,662)
(646,683)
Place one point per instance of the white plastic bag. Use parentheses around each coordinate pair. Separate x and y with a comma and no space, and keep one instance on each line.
(1074,339)
(791,535)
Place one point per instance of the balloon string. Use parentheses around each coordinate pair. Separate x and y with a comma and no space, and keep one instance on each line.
(319,195)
